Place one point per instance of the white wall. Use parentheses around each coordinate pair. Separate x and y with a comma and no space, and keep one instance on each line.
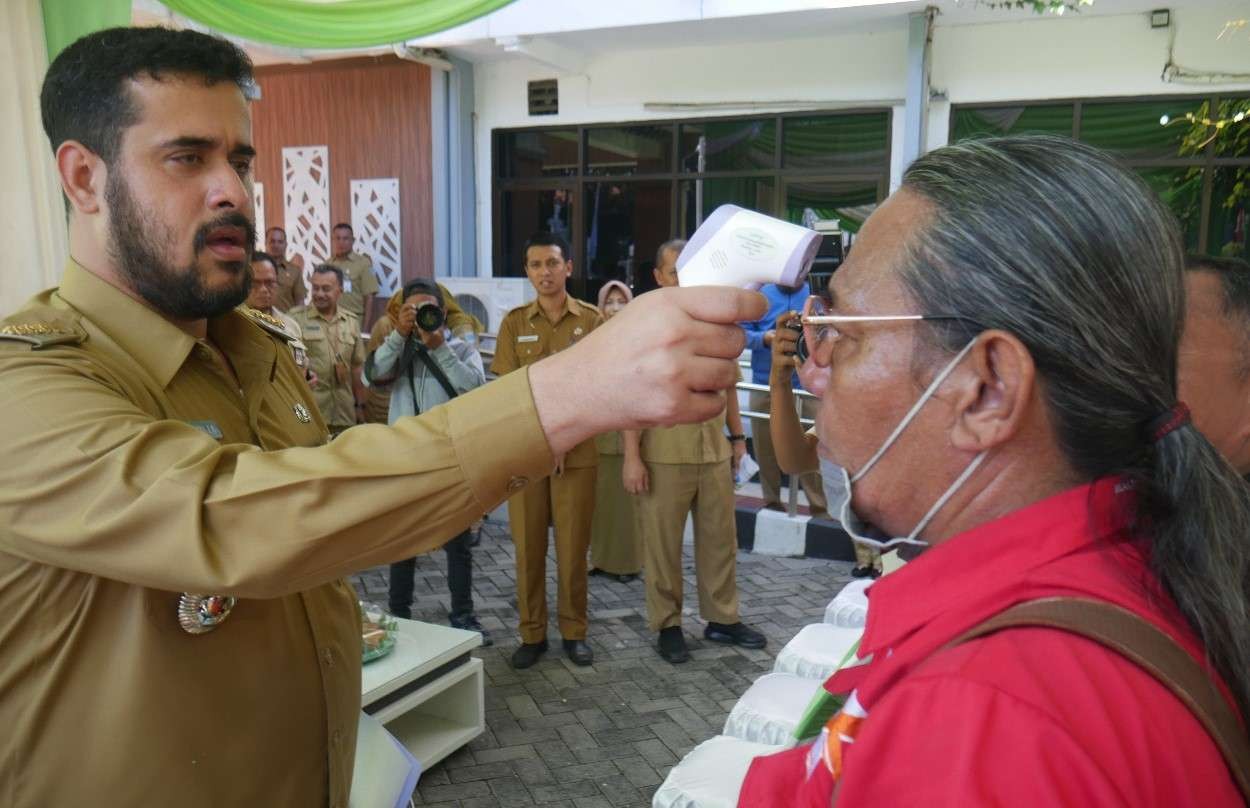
(861,70)
(1073,57)
(1035,58)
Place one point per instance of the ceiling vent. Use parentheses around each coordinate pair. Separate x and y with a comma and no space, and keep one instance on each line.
(544,97)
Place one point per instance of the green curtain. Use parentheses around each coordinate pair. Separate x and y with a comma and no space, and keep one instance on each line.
(332,23)
(67,20)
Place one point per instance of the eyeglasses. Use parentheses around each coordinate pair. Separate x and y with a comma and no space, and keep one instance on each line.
(820,331)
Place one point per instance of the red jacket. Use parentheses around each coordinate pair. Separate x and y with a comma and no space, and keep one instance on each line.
(1023,717)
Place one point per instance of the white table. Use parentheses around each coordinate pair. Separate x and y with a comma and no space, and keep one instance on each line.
(428,691)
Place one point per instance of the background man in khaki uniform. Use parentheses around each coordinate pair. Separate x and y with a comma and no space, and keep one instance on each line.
(359,282)
(528,333)
(156,442)
(291,290)
(260,298)
(673,472)
(336,351)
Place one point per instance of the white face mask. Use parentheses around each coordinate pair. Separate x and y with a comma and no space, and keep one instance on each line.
(838,481)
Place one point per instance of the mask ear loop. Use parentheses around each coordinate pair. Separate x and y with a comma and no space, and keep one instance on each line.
(915,408)
(950,492)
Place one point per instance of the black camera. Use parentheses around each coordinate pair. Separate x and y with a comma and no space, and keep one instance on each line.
(795,324)
(430,318)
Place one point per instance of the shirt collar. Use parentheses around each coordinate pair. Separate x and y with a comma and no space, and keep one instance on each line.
(535,309)
(158,345)
(314,313)
(983,563)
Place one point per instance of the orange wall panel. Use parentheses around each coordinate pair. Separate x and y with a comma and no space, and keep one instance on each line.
(374,115)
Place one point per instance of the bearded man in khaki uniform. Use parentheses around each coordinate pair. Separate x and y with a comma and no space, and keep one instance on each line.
(173,533)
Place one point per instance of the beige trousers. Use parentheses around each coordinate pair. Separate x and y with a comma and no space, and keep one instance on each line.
(660,520)
(568,501)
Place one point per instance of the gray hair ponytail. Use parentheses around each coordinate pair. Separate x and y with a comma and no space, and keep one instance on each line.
(1056,243)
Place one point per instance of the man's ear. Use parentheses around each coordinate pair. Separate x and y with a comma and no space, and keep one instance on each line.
(83,176)
(995,390)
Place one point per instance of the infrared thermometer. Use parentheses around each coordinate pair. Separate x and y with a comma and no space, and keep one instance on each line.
(739,247)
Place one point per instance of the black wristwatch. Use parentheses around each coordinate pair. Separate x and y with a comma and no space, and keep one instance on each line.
(733,438)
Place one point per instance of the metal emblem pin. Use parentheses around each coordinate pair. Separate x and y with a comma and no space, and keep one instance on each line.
(200,614)
(577,331)
(301,412)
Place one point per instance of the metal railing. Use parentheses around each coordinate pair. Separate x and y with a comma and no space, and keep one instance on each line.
(792,503)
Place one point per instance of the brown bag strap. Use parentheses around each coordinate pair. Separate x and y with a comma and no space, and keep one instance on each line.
(1138,640)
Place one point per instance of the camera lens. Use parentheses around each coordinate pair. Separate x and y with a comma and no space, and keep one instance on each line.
(430,318)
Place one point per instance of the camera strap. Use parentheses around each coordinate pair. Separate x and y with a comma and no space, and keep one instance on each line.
(435,371)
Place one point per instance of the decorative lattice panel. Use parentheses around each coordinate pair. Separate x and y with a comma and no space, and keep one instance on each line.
(375,221)
(258,204)
(306,202)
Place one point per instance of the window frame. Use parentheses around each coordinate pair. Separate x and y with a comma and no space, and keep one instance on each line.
(1208,161)
(675,176)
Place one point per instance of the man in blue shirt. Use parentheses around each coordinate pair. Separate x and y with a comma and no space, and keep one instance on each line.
(760,339)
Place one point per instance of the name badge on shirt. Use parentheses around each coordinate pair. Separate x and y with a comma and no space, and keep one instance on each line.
(209,428)
(528,338)
(347,284)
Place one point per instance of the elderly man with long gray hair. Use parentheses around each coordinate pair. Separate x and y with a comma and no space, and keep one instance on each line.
(1000,394)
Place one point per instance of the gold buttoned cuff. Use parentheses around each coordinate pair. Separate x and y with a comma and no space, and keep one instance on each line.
(499,442)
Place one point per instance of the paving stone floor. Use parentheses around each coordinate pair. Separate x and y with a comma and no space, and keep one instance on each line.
(605,735)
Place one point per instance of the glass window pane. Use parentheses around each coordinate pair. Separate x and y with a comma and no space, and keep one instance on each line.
(625,223)
(548,153)
(836,141)
(1181,191)
(1142,130)
(524,213)
(1233,139)
(1052,119)
(728,145)
(848,201)
(698,198)
(629,150)
(1230,198)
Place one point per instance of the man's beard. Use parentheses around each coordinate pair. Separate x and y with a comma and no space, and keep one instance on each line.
(178,293)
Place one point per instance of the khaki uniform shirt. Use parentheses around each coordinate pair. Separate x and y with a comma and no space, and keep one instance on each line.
(358,281)
(285,326)
(704,442)
(134,469)
(335,351)
(291,290)
(526,335)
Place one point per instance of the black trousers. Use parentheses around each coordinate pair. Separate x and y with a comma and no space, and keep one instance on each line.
(459,579)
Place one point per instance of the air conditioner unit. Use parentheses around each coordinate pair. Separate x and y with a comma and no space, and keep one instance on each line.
(489,299)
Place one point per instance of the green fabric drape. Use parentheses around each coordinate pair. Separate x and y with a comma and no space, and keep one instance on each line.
(67,20)
(333,23)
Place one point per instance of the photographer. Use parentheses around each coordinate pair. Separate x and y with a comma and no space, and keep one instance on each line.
(425,367)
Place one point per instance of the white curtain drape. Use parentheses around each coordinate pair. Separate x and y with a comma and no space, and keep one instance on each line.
(32,216)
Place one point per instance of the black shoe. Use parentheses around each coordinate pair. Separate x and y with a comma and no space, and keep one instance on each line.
(470,623)
(626,577)
(596,571)
(405,612)
(579,652)
(739,634)
(672,645)
(528,654)
(863,572)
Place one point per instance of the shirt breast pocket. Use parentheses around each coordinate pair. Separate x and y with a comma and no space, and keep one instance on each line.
(529,351)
